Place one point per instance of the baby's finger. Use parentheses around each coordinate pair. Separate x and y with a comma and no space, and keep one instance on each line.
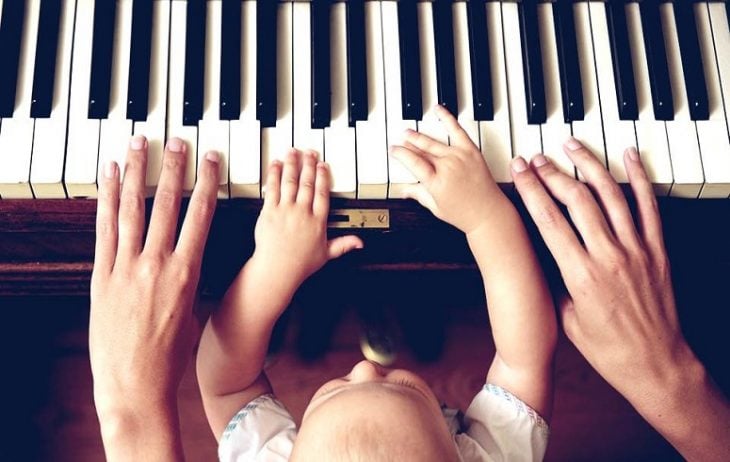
(273,184)
(457,134)
(107,210)
(425,143)
(649,222)
(421,165)
(131,206)
(290,176)
(321,204)
(305,195)
(166,208)
(339,246)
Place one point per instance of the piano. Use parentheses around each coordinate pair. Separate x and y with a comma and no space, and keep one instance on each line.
(346,78)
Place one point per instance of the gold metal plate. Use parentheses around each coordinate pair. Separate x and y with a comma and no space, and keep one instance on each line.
(359,218)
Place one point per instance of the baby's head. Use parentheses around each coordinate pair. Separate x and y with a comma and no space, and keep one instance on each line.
(374,414)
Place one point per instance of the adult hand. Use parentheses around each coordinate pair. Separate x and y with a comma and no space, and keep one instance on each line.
(142,293)
(620,312)
(454,181)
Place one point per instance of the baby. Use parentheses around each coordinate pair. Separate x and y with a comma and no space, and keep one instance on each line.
(373,413)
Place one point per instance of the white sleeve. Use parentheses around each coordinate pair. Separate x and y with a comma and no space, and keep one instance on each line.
(262,430)
(500,427)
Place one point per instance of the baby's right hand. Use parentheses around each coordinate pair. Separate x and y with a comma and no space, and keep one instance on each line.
(454,181)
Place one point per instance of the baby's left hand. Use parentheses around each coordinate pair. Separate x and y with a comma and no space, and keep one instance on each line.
(291,232)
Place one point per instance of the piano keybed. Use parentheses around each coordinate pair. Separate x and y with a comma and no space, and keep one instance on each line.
(345,78)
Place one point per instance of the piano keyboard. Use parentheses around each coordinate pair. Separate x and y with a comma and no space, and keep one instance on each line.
(251,78)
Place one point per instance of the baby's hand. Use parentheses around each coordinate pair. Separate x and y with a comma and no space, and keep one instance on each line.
(455,183)
(291,232)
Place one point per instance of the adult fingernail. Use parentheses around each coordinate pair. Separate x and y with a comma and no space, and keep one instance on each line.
(137,142)
(212,156)
(519,165)
(110,169)
(573,144)
(539,160)
(633,154)
(175,145)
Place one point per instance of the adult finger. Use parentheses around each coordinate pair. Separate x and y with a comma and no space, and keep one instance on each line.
(606,189)
(457,134)
(131,206)
(339,246)
(200,211)
(107,209)
(166,208)
(552,225)
(582,206)
(650,223)
(305,194)
(322,182)
(419,193)
(273,184)
(568,318)
(421,165)
(290,176)
(425,143)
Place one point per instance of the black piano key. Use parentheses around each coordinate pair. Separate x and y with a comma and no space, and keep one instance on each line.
(102,52)
(266,62)
(623,68)
(410,60)
(320,42)
(532,62)
(139,55)
(11,32)
(357,83)
(689,47)
(194,90)
(479,55)
(44,72)
(656,56)
(570,77)
(443,34)
(230,82)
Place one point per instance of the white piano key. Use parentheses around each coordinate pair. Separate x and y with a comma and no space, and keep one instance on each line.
(651,134)
(495,136)
(83,133)
(49,138)
(618,134)
(462,62)
(555,131)
(213,133)
(395,125)
(245,146)
(712,133)
(16,133)
(339,137)
(682,131)
(430,124)
(588,131)
(305,137)
(526,138)
(116,129)
(176,93)
(277,140)
(372,145)
(154,127)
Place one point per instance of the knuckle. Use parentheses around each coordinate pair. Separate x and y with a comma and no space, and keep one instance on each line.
(548,214)
(174,162)
(150,267)
(578,193)
(166,199)
(133,204)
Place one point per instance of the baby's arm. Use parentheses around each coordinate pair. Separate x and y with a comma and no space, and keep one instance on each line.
(455,184)
(291,244)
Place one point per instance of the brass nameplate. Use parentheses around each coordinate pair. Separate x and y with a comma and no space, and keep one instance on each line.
(359,218)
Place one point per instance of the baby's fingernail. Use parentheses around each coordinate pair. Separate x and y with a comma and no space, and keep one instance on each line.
(633,154)
(539,160)
(573,144)
(212,156)
(519,165)
(137,142)
(110,169)
(175,145)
